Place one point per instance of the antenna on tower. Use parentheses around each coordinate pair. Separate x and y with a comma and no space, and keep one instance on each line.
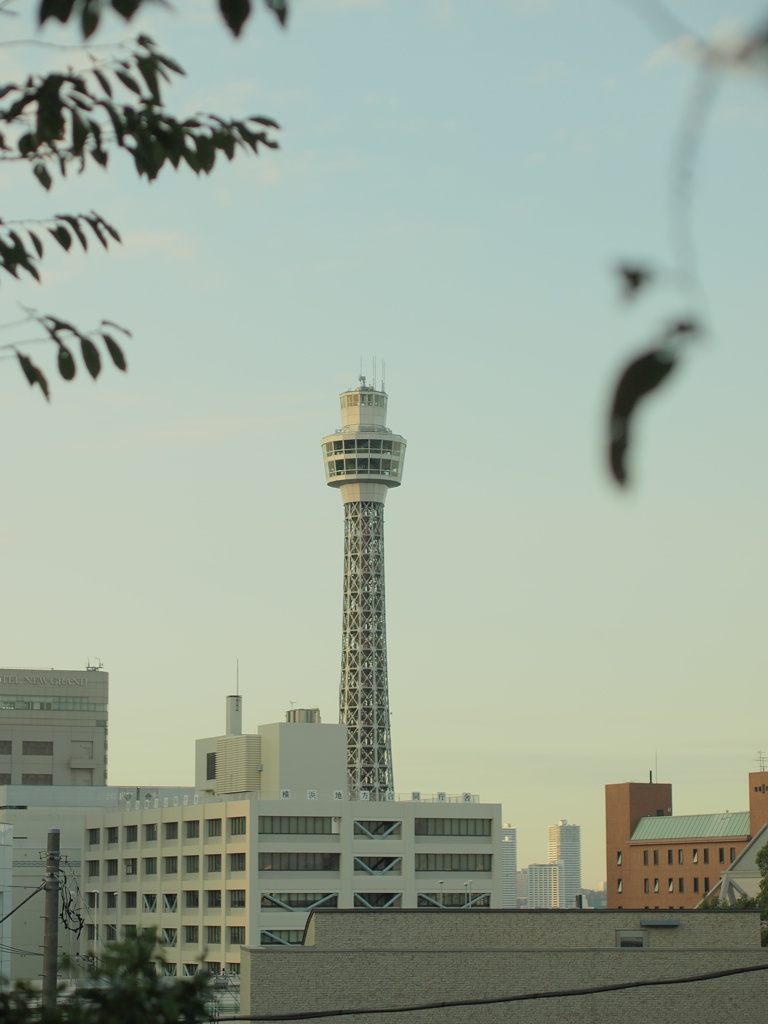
(761,759)
(374,373)
(383,374)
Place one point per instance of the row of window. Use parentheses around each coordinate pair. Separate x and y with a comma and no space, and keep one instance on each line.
(191,865)
(235,827)
(212,934)
(17,702)
(169,901)
(28,779)
(296,861)
(377,398)
(670,885)
(375,467)
(30,748)
(453,826)
(364,446)
(681,856)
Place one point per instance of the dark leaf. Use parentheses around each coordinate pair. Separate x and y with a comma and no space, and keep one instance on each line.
(103,81)
(61,235)
(75,225)
(117,327)
(89,19)
(126,7)
(42,176)
(115,351)
(60,9)
(235,13)
(91,356)
(642,376)
(33,374)
(128,82)
(280,9)
(36,242)
(66,363)
(633,278)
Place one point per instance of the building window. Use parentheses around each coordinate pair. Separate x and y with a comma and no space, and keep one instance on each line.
(192,864)
(237,935)
(297,900)
(721,854)
(191,934)
(237,826)
(213,862)
(131,833)
(282,937)
(237,899)
(298,862)
(93,868)
(170,970)
(620,885)
(618,859)
(5,778)
(671,885)
(733,854)
(130,865)
(149,902)
(94,836)
(110,933)
(189,970)
(36,779)
(111,901)
(192,829)
(453,861)
(290,825)
(646,885)
(679,856)
(706,885)
(706,856)
(91,899)
(655,885)
(695,857)
(191,899)
(670,858)
(695,885)
(171,830)
(645,858)
(680,885)
(171,865)
(212,967)
(130,900)
(379,865)
(37,748)
(168,937)
(214,827)
(233,968)
(453,826)
(631,939)
(237,862)
(210,765)
(655,858)
(90,932)
(213,934)
(112,867)
(6,746)
(213,898)
(150,865)
(112,834)
(150,833)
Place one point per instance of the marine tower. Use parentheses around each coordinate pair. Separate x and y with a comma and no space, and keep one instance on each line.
(364,459)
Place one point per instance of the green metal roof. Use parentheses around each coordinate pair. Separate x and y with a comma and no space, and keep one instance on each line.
(691,826)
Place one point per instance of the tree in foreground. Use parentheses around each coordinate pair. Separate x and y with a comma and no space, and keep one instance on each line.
(65,121)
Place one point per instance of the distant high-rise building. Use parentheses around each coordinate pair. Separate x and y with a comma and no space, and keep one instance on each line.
(53,728)
(545,885)
(565,846)
(364,459)
(508,866)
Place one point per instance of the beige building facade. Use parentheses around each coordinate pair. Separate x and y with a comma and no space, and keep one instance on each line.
(53,727)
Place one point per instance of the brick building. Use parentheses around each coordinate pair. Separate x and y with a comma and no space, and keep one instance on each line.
(657,860)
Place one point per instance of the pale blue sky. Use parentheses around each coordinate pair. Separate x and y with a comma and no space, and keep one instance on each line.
(454,184)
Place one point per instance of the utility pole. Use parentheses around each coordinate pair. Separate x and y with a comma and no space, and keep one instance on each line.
(51,933)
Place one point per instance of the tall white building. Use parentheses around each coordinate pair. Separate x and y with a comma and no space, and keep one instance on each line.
(545,885)
(508,866)
(232,866)
(53,727)
(565,846)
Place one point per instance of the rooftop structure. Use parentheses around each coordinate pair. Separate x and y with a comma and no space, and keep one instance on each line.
(363,460)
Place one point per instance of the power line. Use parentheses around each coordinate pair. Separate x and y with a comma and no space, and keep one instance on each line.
(495,1000)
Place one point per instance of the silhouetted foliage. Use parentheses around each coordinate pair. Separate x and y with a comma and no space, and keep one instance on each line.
(65,121)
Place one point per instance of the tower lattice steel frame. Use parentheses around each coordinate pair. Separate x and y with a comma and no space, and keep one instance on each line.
(364,459)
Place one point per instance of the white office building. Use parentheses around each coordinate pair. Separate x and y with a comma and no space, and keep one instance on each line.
(270,834)
(53,727)
(565,846)
(545,885)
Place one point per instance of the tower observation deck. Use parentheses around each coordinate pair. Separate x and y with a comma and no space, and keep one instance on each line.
(364,459)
